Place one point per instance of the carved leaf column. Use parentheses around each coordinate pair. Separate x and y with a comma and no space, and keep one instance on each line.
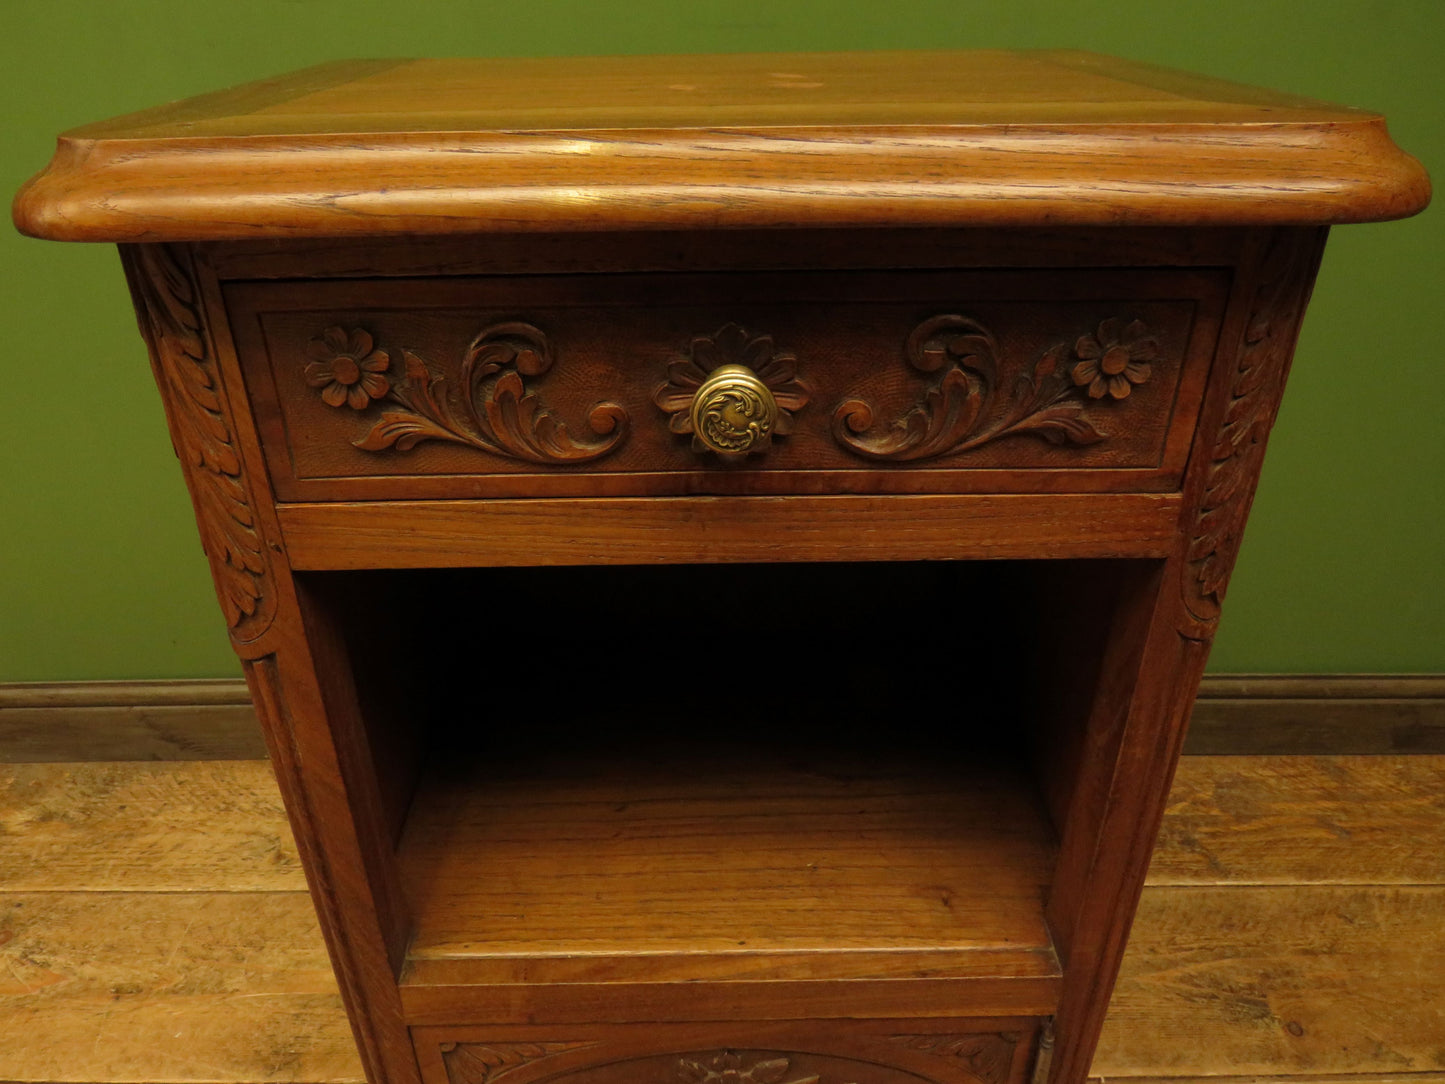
(303,696)
(203,431)
(1228,480)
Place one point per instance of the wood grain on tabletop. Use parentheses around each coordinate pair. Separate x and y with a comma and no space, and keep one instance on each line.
(858,139)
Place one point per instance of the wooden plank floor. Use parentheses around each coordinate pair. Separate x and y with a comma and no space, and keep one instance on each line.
(154,927)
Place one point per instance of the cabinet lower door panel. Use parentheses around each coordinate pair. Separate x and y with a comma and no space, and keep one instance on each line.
(930,1051)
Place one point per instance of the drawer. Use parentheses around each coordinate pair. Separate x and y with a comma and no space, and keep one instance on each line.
(847,382)
(815,1052)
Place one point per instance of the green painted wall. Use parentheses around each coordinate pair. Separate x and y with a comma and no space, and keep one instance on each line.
(100,572)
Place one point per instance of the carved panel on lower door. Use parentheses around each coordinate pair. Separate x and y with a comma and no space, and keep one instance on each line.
(828,1057)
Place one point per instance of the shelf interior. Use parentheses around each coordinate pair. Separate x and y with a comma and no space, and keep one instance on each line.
(809,855)
(724,773)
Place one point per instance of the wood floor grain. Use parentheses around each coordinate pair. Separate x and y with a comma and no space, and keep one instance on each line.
(1287,820)
(213,826)
(154,928)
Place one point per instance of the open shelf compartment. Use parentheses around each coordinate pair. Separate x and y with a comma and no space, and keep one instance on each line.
(691,779)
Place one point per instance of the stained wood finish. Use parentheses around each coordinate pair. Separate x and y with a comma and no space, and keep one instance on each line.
(444,534)
(917,139)
(346,169)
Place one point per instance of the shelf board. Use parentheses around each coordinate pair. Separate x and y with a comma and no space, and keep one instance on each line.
(727,866)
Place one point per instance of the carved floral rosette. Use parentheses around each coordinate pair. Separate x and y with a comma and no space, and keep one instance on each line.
(493,410)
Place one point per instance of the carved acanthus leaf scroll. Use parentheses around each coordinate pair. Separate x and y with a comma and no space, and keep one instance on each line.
(203,430)
(965,408)
(988,1057)
(493,411)
(479,1063)
(1238,451)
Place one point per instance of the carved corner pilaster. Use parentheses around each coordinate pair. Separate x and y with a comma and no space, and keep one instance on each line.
(168,306)
(1221,487)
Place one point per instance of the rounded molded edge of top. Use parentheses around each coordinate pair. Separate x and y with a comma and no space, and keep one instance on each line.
(388,184)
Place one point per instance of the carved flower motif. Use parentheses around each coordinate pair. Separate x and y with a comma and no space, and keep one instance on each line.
(1115,359)
(347,368)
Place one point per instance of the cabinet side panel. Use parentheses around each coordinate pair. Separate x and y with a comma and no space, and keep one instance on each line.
(1102,870)
(180,315)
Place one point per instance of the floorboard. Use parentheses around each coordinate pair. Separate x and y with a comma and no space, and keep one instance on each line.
(181,826)
(154,927)
(1241,820)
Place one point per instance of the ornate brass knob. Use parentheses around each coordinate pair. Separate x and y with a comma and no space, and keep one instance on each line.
(734,412)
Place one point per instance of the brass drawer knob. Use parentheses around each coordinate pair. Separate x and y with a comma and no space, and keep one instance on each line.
(734,412)
(734,393)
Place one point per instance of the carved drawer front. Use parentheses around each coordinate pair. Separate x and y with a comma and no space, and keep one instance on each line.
(1018,381)
(817,1052)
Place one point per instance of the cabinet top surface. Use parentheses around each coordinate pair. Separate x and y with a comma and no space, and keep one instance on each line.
(376,147)
(848,90)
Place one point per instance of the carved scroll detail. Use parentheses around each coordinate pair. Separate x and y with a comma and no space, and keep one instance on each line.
(478,1063)
(1238,451)
(497,413)
(965,408)
(172,320)
(986,1056)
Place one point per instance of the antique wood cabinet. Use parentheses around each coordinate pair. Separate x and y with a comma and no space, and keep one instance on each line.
(724,548)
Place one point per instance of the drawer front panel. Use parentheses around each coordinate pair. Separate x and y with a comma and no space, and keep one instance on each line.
(904,382)
(816,1052)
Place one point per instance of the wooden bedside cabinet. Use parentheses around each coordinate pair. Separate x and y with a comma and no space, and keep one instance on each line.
(724,548)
